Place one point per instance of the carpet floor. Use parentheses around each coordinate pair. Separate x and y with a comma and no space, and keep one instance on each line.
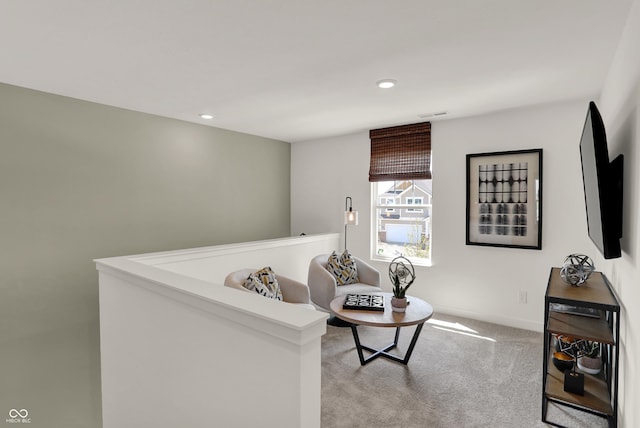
(462,373)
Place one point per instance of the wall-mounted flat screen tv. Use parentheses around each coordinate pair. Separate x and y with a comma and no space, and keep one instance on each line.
(602,186)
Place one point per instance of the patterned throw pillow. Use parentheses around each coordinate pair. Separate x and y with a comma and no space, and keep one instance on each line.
(343,267)
(264,282)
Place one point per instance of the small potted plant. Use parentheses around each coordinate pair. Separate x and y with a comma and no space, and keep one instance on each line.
(402,275)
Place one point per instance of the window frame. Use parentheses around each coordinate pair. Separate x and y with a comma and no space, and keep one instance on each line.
(401,153)
(377,225)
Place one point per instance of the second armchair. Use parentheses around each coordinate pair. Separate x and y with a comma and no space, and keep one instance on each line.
(324,287)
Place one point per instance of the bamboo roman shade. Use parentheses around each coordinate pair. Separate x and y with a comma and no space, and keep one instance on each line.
(401,152)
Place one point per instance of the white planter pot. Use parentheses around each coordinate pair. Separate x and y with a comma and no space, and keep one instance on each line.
(398,305)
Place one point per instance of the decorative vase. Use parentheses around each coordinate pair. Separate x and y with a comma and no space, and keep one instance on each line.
(398,304)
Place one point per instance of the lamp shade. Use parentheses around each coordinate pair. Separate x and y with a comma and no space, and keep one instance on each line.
(351,218)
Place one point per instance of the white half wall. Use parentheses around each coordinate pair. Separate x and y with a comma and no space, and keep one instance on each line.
(177,350)
(286,256)
(477,282)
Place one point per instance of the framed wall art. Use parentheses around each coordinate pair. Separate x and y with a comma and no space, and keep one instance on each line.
(504,199)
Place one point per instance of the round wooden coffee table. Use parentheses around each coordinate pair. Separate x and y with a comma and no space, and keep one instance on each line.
(418,311)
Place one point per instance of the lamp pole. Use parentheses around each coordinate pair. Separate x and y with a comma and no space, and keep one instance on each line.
(350,217)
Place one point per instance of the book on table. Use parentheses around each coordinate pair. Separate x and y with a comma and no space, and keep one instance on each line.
(364,302)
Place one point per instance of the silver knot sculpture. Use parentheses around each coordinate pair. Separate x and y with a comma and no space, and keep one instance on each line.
(576,269)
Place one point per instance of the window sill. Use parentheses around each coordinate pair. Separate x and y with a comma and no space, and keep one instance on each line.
(414,261)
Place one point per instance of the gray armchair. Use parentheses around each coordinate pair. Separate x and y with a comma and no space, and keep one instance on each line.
(323,286)
(293,291)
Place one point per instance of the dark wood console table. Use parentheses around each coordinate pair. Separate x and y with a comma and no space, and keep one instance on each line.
(601,390)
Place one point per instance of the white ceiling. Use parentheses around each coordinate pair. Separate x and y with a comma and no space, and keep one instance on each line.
(296,70)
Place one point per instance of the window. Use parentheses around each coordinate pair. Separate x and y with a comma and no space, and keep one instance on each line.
(406,228)
(400,176)
(418,200)
(388,201)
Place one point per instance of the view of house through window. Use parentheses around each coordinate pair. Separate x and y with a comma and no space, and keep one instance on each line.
(402,219)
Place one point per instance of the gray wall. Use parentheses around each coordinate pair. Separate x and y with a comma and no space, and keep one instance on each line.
(80,181)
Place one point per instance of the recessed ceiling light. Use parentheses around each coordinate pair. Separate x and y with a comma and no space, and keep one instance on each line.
(206,116)
(386,83)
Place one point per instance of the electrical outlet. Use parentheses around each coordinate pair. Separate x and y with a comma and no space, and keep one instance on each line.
(522,296)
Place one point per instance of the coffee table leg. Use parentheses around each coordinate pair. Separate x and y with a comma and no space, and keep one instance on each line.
(358,346)
(383,352)
(414,339)
(395,340)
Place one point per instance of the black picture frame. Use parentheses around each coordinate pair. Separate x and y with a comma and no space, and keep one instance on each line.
(504,199)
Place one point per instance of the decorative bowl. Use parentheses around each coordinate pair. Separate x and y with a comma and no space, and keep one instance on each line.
(562,361)
(565,344)
(590,365)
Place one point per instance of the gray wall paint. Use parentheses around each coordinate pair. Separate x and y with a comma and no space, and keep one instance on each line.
(80,181)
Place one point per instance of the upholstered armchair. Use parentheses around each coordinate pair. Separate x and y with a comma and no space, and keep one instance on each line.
(293,291)
(323,285)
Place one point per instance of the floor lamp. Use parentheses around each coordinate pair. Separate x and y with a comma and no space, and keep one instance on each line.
(350,217)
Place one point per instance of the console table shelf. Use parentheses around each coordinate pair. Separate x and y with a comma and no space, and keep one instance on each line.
(600,391)
(594,329)
(596,392)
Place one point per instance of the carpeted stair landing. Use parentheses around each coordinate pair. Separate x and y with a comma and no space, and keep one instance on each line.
(463,373)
